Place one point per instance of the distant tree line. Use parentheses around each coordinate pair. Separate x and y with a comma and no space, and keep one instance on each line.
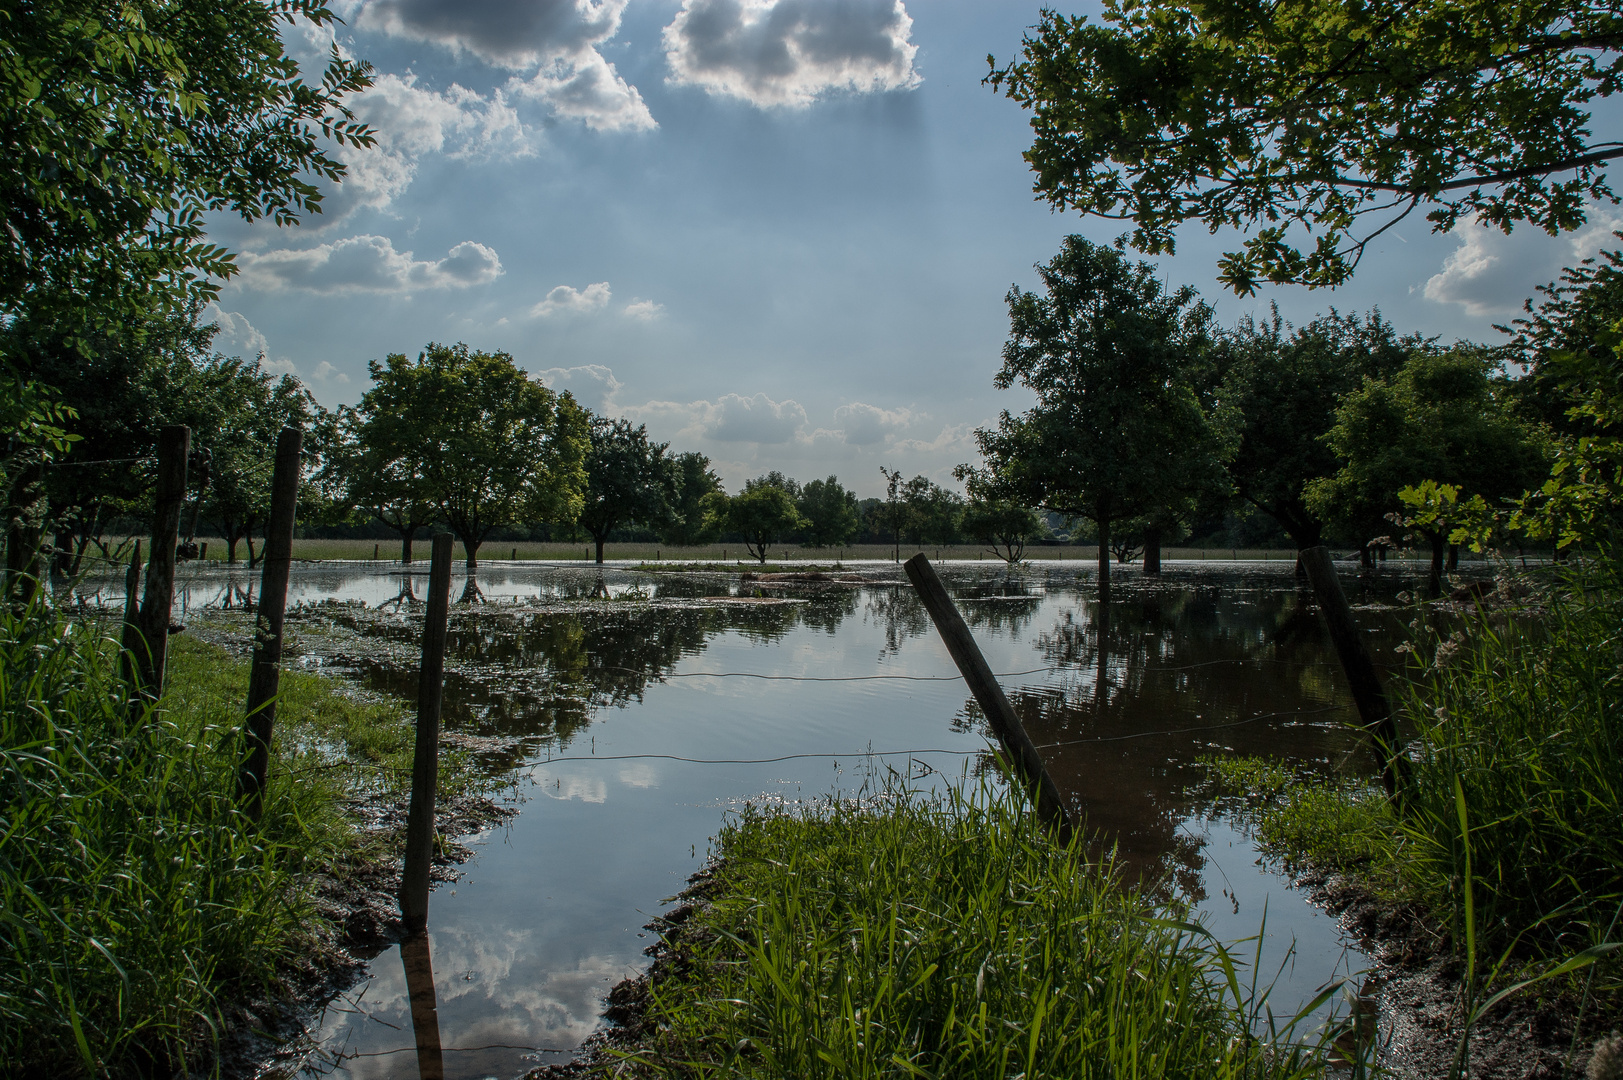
(1152,425)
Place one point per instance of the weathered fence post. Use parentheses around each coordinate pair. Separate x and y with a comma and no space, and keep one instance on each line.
(146,639)
(426,760)
(425,1014)
(1373,709)
(1023,754)
(265,676)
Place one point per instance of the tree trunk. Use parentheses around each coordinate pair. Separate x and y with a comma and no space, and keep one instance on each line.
(1366,557)
(230,548)
(252,558)
(472,548)
(1453,557)
(599,538)
(1104,560)
(1152,549)
(406,537)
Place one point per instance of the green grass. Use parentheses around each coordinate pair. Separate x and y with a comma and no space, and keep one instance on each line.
(136,902)
(911,937)
(1520,719)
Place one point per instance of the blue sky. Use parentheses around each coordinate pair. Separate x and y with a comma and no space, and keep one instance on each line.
(779,232)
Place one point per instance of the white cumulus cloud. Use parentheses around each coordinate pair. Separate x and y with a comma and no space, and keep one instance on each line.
(865,425)
(236,336)
(791,52)
(644,310)
(1491,273)
(556,41)
(325,372)
(368,264)
(567,300)
(731,418)
(593,385)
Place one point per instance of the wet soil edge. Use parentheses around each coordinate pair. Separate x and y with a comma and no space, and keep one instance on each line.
(1417,985)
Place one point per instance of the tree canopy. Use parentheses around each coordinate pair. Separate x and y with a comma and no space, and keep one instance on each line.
(1329,118)
(763,513)
(495,447)
(126,122)
(1283,384)
(695,480)
(830,510)
(1118,429)
(628,479)
(1442,417)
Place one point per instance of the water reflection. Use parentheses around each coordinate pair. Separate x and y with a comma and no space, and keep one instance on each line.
(600,670)
(425,1017)
(1143,689)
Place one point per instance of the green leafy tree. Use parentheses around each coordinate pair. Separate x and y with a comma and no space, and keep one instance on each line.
(1283,384)
(931,512)
(1442,417)
(686,526)
(1005,527)
(831,512)
(890,513)
(1326,117)
(1118,428)
(124,382)
(628,479)
(127,122)
(236,411)
(762,514)
(494,447)
(379,466)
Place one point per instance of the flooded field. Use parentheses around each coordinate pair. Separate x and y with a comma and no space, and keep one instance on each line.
(632,711)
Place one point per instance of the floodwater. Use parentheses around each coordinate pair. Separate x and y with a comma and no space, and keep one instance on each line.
(632,711)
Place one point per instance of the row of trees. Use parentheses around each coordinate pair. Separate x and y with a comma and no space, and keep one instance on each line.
(1150,419)
(1148,414)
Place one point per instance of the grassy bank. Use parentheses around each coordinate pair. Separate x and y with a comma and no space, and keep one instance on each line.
(1510,840)
(138,903)
(914,937)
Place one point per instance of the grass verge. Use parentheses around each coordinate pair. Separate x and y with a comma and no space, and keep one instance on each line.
(137,904)
(1510,840)
(942,937)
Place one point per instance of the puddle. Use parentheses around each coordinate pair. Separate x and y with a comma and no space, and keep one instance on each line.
(633,710)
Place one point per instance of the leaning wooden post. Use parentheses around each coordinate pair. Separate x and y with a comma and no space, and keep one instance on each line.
(1370,696)
(425,765)
(972,666)
(265,676)
(146,639)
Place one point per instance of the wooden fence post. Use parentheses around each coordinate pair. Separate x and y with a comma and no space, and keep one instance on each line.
(146,640)
(1022,753)
(265,676)
(1369,695)
(426,759)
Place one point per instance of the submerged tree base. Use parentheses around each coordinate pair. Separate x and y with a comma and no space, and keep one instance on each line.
(908,935)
